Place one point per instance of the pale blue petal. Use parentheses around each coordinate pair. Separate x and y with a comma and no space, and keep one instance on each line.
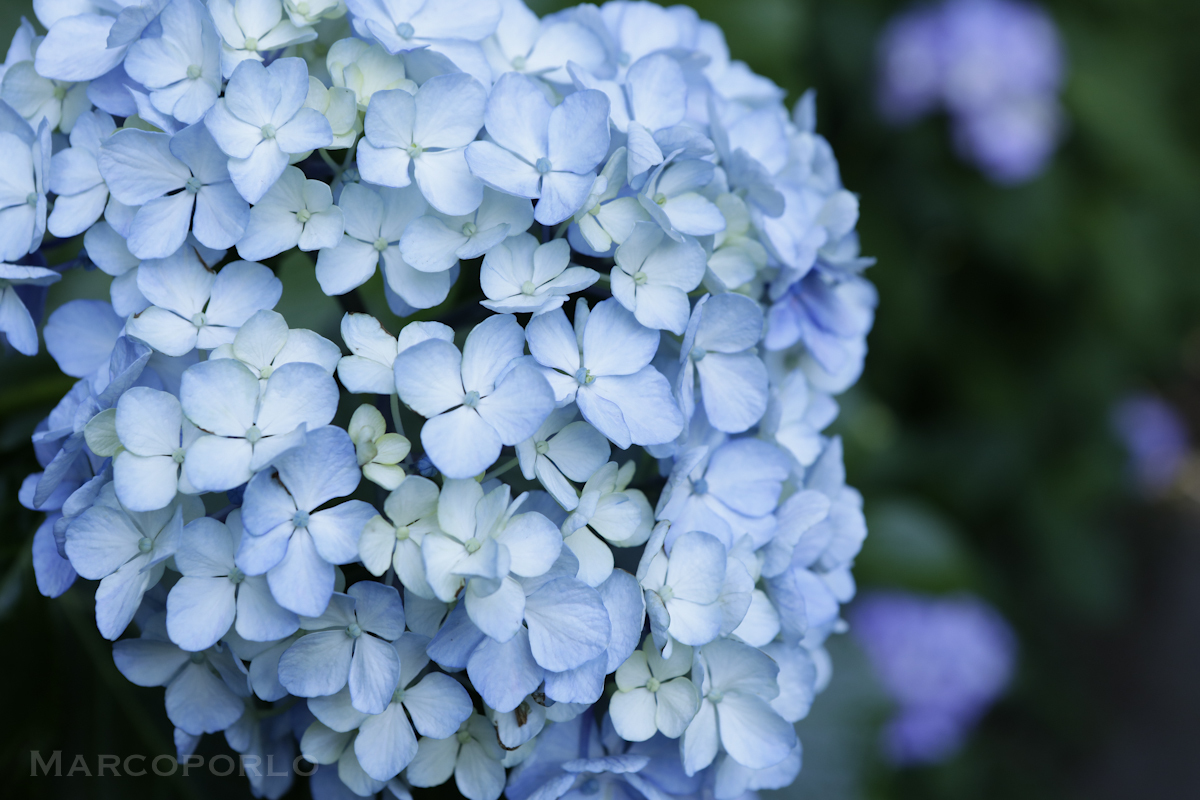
(302,582)
(385,743)
(374,672)
(438,704)
(504,673)
(568,624)
(199,702)
(318,664)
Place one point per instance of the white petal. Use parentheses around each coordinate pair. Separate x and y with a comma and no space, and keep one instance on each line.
(318,664)
(417,289)
(519,404)
(448,183)
(217,464)
(428,377)
(752,733)
(504,673)
(502,170)
(678,702)
(199,702)
(347,266)
(145,483)
(460,443)
(734,390)
(374,671)
(615,343)
(385,743)
(259,617)
(200,611)
(497,614)
(438,705)
(633,713)
(568,624)
(302,582)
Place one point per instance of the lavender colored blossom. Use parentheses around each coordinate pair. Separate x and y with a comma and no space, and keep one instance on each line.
(995,66)
(1155,436)
(943,661)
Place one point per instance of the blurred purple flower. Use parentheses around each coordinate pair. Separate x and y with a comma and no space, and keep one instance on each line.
(944,661)
(1156,438)
(995,65)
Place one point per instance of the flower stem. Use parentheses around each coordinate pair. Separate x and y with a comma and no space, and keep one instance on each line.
(500,470)
(395,402)
(333,165)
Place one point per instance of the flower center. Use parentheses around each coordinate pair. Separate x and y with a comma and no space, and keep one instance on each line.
(463,737)
(198,319)
(660,198)
(266,372)
(236,576)
(542,448)
(528,288)
(193,185)
(469,229)
(251,43)
(715,696)
(145,544)
(405,30)
(653,684)
(402,533)
(595,210)
(31,199)
(381,244)
(178,455)
(398,695)
(698,353)
(700,486)
(194,71)
(543,165)
(302,8)
(666,593)
(584,376)
(472,545)
(60,93)
(267,131)
(300,518)
(471,399)
(623,59)
(415,150)
(518,63)
(353,630)
(590,786)
(640,278)
(303,216)
(196,658)
(253,434)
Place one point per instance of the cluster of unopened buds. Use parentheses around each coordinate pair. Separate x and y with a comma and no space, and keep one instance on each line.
(583,531)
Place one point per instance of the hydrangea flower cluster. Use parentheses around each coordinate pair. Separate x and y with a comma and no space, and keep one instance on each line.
(943,660)
(995,66)
(1155,435)
(583,530)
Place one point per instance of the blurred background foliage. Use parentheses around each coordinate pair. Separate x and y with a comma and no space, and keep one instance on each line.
(1011,320)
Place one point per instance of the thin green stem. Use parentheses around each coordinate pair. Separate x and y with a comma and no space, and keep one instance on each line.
(500,470)
(275,710)
(395,401)
(333,165)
